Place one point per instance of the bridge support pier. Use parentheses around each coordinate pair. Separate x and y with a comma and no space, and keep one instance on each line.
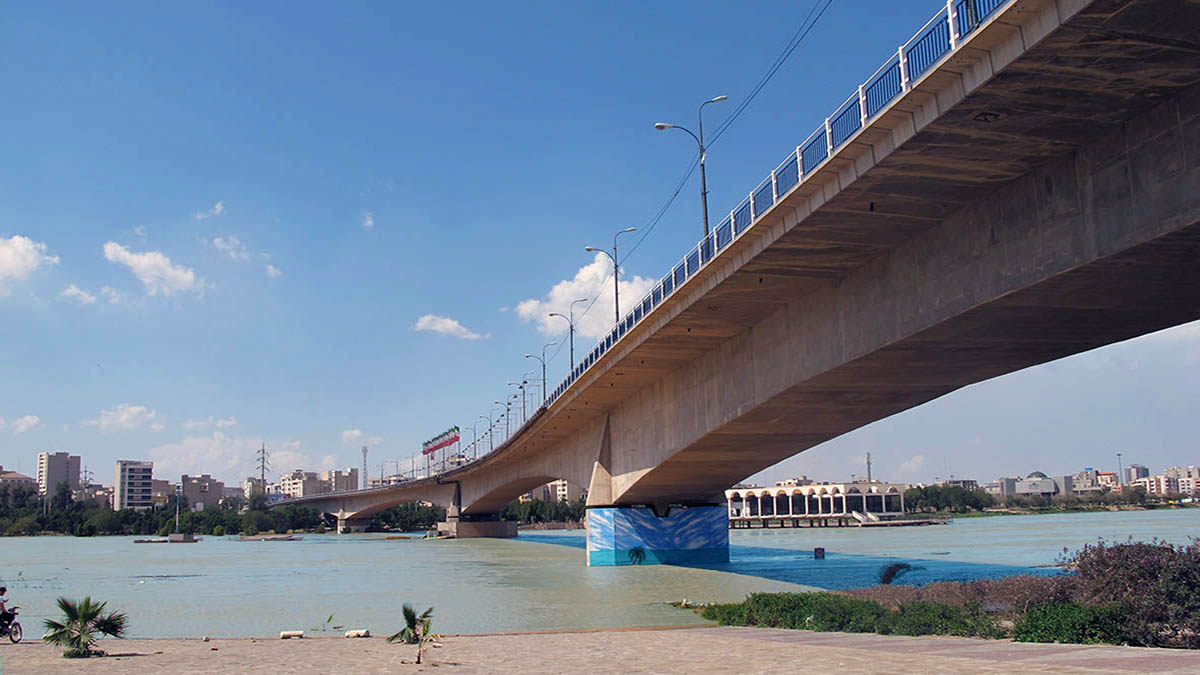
(352,524)
(624,535)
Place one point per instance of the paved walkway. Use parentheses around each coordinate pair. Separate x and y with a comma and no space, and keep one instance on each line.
(696,650)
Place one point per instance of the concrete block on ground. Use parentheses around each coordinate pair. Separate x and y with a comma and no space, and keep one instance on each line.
(289,634)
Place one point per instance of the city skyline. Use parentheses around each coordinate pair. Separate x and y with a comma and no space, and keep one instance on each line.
(184,295)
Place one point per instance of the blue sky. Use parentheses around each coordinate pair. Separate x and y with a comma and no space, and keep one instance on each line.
(222,224)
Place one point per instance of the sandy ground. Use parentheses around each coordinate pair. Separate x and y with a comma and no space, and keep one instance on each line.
(694,650)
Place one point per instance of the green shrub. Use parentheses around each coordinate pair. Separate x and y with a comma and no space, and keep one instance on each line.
(933,618)
(219,531)
(733,614)
(1074,623)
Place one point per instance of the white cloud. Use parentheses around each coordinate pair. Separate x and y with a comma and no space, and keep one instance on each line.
(909,467)
(328,462)
(356,437)
(232,247)
(154,270)
(368,220)
(216,210)
(446,326)
(19,257)
(124,417)
(273,272)
(593,280)
(157,426)
(211,422)
(23,424)
(220,455)
(79,294)
(113,297)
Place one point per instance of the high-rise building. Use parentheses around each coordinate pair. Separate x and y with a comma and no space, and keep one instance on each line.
(253,485)
(340,481)
(1136,471)
(133,485)
(201,492)
(54,468)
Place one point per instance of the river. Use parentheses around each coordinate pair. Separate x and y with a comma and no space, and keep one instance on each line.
(225,587)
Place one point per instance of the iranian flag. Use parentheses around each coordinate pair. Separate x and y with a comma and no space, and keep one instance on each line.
(442,440)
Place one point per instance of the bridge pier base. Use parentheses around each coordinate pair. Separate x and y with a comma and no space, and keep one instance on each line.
(622,535)
(471,529)
(352,525)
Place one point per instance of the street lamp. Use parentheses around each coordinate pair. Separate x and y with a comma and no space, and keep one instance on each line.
(699,141)
(507,417)
(616,272)
(1120,471)
(542,358)
(521,386)
(571,325)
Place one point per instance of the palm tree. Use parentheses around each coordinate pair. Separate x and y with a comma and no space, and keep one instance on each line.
(82,622)
(416,631)
(637,555)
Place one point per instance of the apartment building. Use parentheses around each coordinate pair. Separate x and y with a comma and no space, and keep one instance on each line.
(54,468)
(133,485)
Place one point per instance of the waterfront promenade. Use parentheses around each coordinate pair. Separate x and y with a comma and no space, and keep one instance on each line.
(694,650)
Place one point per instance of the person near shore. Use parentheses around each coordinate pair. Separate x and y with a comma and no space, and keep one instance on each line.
(6,616)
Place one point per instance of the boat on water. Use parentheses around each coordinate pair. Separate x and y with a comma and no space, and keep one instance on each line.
(170,539)
(270,537)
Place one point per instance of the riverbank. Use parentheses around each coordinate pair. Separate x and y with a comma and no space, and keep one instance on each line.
(696,650)
(1051,510)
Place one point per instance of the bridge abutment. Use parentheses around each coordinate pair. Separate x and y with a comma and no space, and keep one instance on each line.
(624,535)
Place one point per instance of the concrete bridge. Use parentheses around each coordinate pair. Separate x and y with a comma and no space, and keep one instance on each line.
(1021,182)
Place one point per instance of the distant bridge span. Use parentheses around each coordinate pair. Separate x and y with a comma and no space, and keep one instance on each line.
(1032,195)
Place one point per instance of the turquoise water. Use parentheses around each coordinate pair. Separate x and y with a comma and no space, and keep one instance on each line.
(224,587)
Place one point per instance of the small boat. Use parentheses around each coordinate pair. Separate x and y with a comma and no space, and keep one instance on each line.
(150,541)
(270,537)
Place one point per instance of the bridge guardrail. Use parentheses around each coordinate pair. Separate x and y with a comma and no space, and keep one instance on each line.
(940,37)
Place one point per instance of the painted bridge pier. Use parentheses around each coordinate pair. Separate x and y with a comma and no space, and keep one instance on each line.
(1000,194)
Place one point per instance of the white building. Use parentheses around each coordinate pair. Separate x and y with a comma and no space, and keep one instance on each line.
(133,485)
(558,491)
(815,500)
(1157,485)
(54,468)
(299,483)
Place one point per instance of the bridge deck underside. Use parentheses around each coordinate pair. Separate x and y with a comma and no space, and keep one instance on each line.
(1152,286)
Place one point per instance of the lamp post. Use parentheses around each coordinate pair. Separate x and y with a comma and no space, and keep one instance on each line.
(699,141)
(507,415)
(521,385)
(489,419)
(570,325)
(1120,471)
(542,359)
(616,272)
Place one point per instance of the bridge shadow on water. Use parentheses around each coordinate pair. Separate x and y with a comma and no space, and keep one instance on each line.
(836,572)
